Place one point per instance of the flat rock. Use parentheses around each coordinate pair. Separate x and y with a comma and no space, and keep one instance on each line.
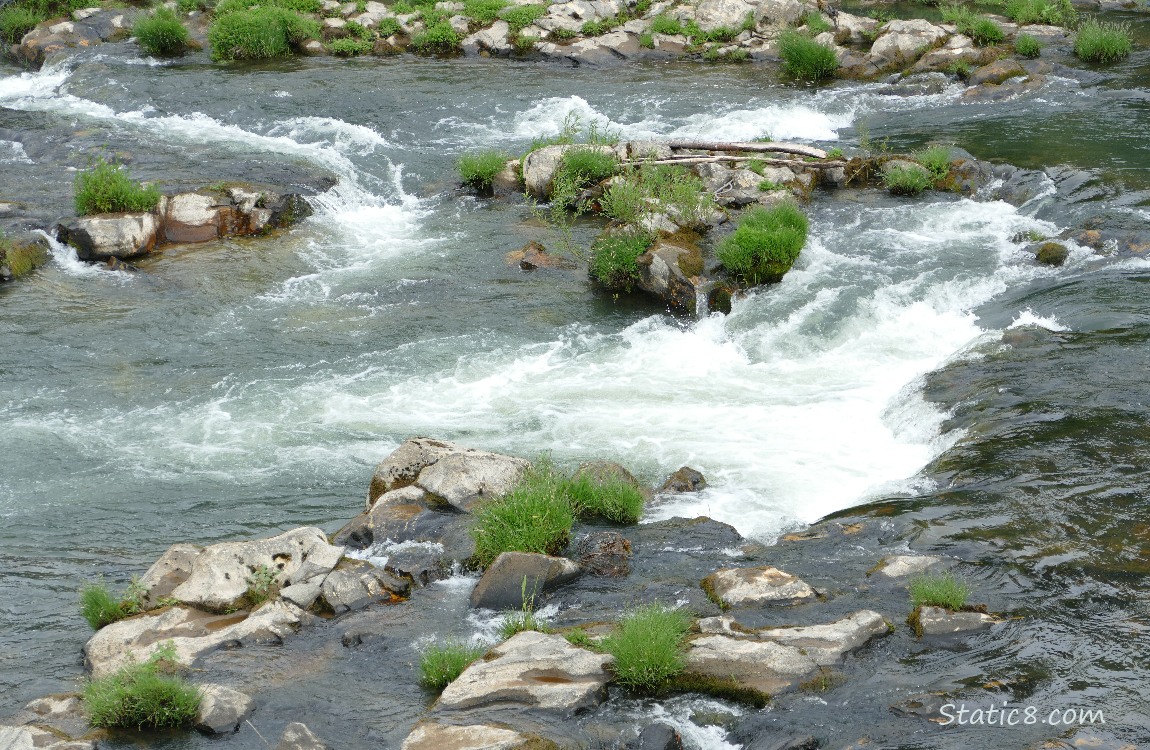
(534,670)
(433,736)
(297,736)
(938,621)
(222,709)
(902,42)
(515,574)
(457,475)
(604,553)
(765,666)
(752,587)
(62,714)
(997,72)
(728,14)
(827,643)
(668,271)
(900,566)
(34,738)
(191,217)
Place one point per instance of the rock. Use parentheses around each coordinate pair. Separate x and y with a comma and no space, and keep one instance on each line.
(996,72)
(419,563)
(938,621)
(170,570)
(410,514)
(191,217)
(470,737)
(533,256)
(55,38)
(728,14)
(507,181)
(922,706)
(315,48)
(532,670)
(355,584)
(612,47)
(943,58)
(658,737)
(222,709)
(852,28)
(783,12)
(220,575)
(63,715)
(19,258)
(1052,253)
(1010,89)
(298,737)
(828,643)
(110,235)
(902,42)
(502,584)
(460,24)
(668,271)
(539,169)
(685,479)
(191,632)
(905,565)
(604,553)
(601,471)
(458,476)
(752,587)
(34,738)
(303,595)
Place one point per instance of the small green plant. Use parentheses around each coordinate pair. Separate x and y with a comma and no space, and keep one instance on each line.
(906,179)
(749,22)
(349,47)
(647,40)
(98,606)
(483,12)
(478,169)
(440,664)
(1027,46)
(625,201)
(613,259)
(587,165)
(522,16)
(437,39)
(835,153)
(961,69)
(16,21)
(259,34)
(806,59)
(959,15)
(388,27)
(939,590)
(146,695)
(1103,41)
(936,159)
(815,23)
(1053,12)
(403,8)
(738,56)
(985,32)
(663,24)
(648,647)
(562,34)
(524,619)
(579,637)
(598,28)
(524,43)
(765,244)
(609,497)
(766,186)
(359,31)
(536,516)
(161,34)
(107,188)
(262,585)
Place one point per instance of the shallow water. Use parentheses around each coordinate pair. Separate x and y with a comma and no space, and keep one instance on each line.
(247,387)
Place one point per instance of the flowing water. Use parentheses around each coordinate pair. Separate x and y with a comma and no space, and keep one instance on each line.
(247,387)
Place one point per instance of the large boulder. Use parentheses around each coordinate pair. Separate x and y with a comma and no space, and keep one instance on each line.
(532,670)
(997,72)
(612,47)
(903,42)
(191,217)
(222,709)
(110,235)
(220,575)
(495,41)
(514,575)
(670,271)
(456,475)
(685,479)
(753,587)
(784,12)
(724,14)
(58,36)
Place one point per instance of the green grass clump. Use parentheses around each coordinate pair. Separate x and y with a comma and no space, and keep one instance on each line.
(107,188)
(648,647)
(16,21)
(522,16)
(143,696)
(664,24)
(959,15)
(483,12)
(438,38)
(161,34)
(936,159)
(524,619)
(439,665)
(610,498)
(478,169)
(1052,12)
(765,244)
(815,23)
(613,259)
(647,40)
(906,179)
(259,34)
(625,201)
(806,59)
(536,516)
(939,590)
(349,47)
(588,166)
(388,27)
(98,606)
(985,32)
(1027,46)
(1103,41)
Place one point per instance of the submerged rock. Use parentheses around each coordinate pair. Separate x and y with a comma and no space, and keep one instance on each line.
(532,670)
(515,575)
(685,479)
(1052,253)
(899,566)
(19,258)
(298,737)
(432,736)
(356,584)
(939,621)
(752,587)
(997,72)
(658,737)
(222,709)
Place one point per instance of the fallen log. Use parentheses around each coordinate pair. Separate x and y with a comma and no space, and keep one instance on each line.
(782,148)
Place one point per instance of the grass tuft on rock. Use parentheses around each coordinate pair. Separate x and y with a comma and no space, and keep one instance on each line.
(1052,12)
(536,516)
(985,32)
(765,244)
(613,259)
(437,39)
(1027,46)
(483,12)
(522,16)
(478,169)
(349,47)
(441,664)
(1103,41)
(161,34)
(939,590)
(16,21)
(906,179)
(100,607)
(610,498)
(648,647)
(806,59)
(259,34)
(107,188)
(664,24)
(143,696)
(936,159)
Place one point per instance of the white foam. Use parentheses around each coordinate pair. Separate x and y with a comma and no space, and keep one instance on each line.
(69,262)
(12,152)
(1028,318)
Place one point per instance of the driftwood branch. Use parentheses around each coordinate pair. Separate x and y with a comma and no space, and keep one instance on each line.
(782,148)
(830,164)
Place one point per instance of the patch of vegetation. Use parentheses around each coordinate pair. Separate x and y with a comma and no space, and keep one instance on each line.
(939,590)
(524,43)
(1027,46)
(579,637)
(259,34)
(586,165)
(441,664)
(478,169)
(825,681)
(522,16)
(483,12)
(906,179)
(720,687)
(359,31)
(262,585)
(21,259)
(524,619)
(437,39)
(663,188)
(720,35)
(648,647)
(100,607)
(598,28)
(1052,12)
(985,32)
(161,34)
(647,40)
(765,244)
(16,21)
(664,24)
(107,188)
(563,34)
(738,56)
(766,186)
(143,696)
(613,259)
(959,15)
(936,159)
(961,68)
(815,23)
(349,47)
(1103,41)
(835,153)
(388,27)
(610,498)
(806,59)
(536,516)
